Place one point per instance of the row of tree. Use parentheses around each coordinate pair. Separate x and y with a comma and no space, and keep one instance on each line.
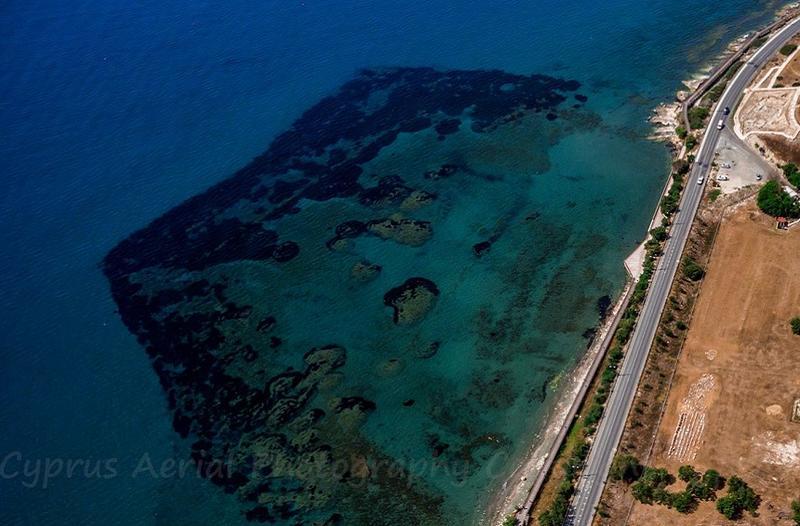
(649,486)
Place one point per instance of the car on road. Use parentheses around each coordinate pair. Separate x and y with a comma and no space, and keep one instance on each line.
(727,110)
(700,179)
(720,124)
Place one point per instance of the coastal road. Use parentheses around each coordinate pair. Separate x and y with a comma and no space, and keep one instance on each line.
(590,485)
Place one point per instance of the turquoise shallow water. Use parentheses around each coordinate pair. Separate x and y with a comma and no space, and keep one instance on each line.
(114,114)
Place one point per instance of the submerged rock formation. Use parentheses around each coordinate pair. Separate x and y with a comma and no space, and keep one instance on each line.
(206,287)
(412,300)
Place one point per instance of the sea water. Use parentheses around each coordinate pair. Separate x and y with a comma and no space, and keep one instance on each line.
(115,113)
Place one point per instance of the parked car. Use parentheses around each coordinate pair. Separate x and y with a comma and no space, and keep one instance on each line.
(722,177)
(759,177)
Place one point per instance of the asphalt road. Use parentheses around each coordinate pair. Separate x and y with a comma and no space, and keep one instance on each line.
(590,486)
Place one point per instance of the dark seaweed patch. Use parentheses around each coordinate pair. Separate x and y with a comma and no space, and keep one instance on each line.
(226,394)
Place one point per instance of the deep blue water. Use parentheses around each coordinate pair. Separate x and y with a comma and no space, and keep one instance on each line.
(112,113)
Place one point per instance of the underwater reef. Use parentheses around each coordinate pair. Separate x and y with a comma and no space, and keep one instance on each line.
(278,424)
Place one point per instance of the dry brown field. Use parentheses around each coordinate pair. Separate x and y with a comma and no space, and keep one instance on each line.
(738,376)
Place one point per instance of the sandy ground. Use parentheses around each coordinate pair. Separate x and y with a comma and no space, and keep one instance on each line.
(739,374)
(769,114)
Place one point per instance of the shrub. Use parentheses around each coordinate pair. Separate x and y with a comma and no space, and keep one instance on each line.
(713,479)
(659,233)
(690,142)
(788,49)
(792,173)
(510,521)
(697,116)
(714,194)
(692,270)
(626,468)
(796,512)
(680,131)
(740,497)
(681,325)
(684,502)
(774,201)
(688,474)
(795,323)
(594,414)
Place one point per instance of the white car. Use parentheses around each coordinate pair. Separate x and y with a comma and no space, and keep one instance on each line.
(700,180)
(722,178)
(720,124)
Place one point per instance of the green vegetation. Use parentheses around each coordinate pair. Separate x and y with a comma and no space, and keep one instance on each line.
(669,203)
(757,43)
(740,497)
(714,194)
(681,166)
(557,513)
(510,521)
(697,116)
(659,233)
(651,487)
(690,142)
(788,49)
(626,468)
(792,173)
(774,201)
(692,270)
(795,323)
(681,132)
(796,512)
(688,474)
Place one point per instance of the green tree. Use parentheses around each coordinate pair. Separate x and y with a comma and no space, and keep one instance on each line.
(642,492)
(795,323)
(692,270)
(727,506)
(740,497)
(659,233)
(713,479)
(684,502)
(697,116)
(687,473)
(792,173)
(796,512)
(774,201)
(626,468)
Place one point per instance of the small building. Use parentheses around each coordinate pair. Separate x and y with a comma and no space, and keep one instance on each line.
(783,223)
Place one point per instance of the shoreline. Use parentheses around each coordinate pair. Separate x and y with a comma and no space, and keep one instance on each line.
(506,500)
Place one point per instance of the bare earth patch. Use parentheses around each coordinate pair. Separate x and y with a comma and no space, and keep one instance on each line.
(769,111)
(733,413)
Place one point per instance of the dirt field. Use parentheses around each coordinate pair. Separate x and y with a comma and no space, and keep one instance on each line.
(790,75)
(738,376)
(785,151)
(767,109)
